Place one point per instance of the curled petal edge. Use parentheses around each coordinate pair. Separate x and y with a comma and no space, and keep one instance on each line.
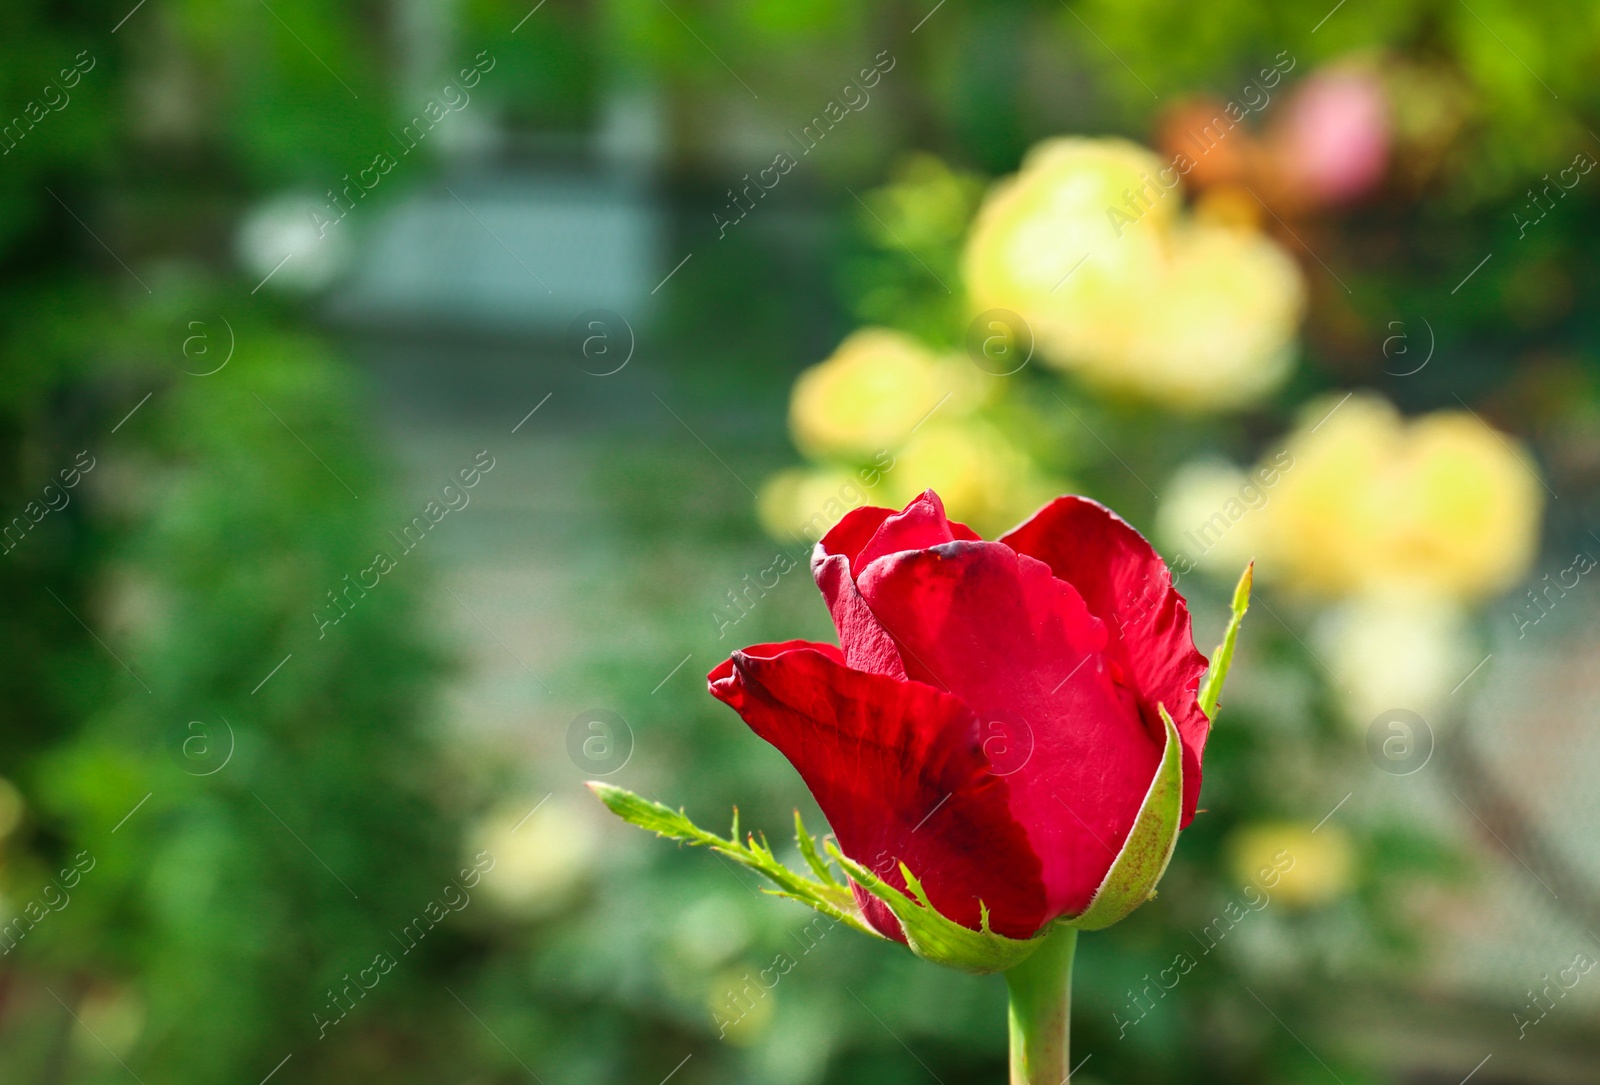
(825,893)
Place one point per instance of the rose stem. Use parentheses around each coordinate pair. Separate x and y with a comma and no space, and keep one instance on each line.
(1041,1011)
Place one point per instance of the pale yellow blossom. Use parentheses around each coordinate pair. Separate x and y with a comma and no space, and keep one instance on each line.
(1441,504)
(534,861)
(1090,244)
(1297,864)
(868,395)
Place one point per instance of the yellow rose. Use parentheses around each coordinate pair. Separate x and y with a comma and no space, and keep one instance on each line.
(1291,863)
(1219,331)
(1088,243)
(1467,508)
(868,396)
(1318,536)
(1440,505)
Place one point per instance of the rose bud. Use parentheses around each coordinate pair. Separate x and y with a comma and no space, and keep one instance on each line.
(1011,733)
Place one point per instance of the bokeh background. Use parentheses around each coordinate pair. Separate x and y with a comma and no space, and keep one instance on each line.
(405,403)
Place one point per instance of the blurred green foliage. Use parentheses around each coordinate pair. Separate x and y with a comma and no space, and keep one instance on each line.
(267,831)
(221,908)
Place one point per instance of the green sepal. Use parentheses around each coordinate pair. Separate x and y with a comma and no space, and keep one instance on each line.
(933,937)
(1144,856)
(1222,659)
(829,896)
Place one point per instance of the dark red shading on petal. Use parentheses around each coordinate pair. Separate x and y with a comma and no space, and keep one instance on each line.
(1019,646)
(1126,584)
(898,771)
(920,525)
(864,534)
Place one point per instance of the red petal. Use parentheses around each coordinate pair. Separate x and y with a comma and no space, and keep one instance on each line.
(920,525)
(1126,584)
(854,531)
(899,773)
(997,630)
(866,646)
(767,651)
(864,534)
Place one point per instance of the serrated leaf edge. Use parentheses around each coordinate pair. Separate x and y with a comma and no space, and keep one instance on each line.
(831,898)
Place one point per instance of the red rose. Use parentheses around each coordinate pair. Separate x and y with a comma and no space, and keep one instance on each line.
(992,721)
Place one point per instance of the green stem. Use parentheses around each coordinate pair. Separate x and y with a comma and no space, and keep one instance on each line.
(1041,1011)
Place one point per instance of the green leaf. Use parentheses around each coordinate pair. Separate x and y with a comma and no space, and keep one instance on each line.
(932,936)
(1222,658)
(1144,856)
(829,896)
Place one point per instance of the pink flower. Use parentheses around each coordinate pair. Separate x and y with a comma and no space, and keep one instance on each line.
(1335,139)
